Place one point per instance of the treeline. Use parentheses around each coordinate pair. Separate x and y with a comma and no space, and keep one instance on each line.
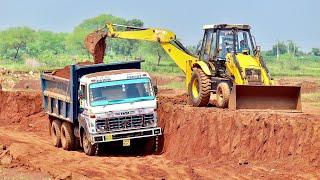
(290,48)
(18,44)
(24,45)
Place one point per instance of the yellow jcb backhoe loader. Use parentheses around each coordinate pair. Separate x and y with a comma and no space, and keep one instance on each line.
(228,64)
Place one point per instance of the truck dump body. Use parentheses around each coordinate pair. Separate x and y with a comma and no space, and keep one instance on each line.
(60,95)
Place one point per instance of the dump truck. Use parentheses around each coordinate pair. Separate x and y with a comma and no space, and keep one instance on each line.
(227,66)
(101,103)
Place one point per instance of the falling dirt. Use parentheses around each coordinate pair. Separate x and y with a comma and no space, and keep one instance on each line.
(96,45)
(199,143)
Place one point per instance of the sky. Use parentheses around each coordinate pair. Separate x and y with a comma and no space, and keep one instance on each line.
(271,20)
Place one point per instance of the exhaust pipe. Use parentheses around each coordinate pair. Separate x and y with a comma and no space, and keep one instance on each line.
(283,98)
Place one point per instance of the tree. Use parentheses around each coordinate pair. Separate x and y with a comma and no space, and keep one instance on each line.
(75,41)
(280,48)
(15,41)
(47,42)
(315,51)
(292,48)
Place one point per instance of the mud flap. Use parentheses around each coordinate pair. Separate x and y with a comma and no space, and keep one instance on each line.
(284,98)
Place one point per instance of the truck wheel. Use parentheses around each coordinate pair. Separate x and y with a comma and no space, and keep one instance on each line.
(150,145)
(67,136)
(88,148)
(223,94)
(55,132)
(199,88)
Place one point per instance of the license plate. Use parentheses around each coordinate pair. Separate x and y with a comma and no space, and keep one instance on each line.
(109,137)
(126,142)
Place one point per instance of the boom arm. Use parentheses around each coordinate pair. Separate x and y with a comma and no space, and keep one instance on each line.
(95,42)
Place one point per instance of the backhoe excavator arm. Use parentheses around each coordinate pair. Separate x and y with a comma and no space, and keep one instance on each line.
(95,43)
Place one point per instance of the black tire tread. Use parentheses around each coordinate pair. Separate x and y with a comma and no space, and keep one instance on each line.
(69,136)
(204,89)
(56,139)
(223,102)
(92,148)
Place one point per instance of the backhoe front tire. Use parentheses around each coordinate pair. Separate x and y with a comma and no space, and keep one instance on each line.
(223,94)
(199,88)
(67,136)
(55,132)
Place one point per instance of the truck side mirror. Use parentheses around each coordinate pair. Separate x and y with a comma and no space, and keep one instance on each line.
(155,89)
(81,95)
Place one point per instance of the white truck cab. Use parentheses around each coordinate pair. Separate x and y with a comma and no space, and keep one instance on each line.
(118,105)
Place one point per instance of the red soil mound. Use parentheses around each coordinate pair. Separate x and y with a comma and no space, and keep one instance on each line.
(194,133)
(23,110)
(28,84)
(217,134)
(65,72)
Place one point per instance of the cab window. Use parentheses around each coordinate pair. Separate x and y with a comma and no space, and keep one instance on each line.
(206,45)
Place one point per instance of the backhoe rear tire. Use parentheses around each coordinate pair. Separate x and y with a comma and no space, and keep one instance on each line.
(55,132)
(199,88)
(67,136)
(223,94)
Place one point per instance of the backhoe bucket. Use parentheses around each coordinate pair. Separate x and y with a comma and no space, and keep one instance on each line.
(96,45)
(283,98)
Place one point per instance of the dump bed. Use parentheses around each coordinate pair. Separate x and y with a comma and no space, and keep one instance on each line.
(60,94)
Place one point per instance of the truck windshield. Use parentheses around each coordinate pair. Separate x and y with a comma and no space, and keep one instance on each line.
(122,91)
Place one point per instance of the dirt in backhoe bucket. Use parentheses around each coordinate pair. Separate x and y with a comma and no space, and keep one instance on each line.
(96,45)
(198,143)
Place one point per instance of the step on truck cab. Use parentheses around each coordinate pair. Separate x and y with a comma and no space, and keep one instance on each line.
(101,103)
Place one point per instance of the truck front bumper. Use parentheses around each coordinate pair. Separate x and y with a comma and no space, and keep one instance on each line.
(118,136)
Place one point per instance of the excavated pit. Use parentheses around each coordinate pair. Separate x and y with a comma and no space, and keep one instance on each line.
(194,133)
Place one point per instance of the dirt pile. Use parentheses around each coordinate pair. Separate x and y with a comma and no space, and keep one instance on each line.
(193,133)
(23,110)
(27,84)
(65,72)
(307,86)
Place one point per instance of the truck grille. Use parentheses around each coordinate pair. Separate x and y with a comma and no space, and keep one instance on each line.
(254,76)
(126,123)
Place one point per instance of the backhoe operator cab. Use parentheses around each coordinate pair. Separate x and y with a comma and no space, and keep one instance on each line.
(219,40)
(233,57)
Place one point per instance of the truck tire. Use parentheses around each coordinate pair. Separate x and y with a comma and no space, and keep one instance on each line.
(67,136)
(199,88)
(150,145)
(55,132)
(88,148)
(223,94)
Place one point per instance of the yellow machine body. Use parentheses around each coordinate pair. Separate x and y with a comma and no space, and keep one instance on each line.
(252,84)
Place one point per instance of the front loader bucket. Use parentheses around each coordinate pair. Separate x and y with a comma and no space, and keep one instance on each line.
(284,98)
(96,45)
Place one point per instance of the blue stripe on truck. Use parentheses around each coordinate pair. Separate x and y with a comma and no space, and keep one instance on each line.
(120,82)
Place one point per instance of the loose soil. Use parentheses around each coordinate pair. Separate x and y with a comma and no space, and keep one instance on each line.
(307,85)
(65,72)
(199,143)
